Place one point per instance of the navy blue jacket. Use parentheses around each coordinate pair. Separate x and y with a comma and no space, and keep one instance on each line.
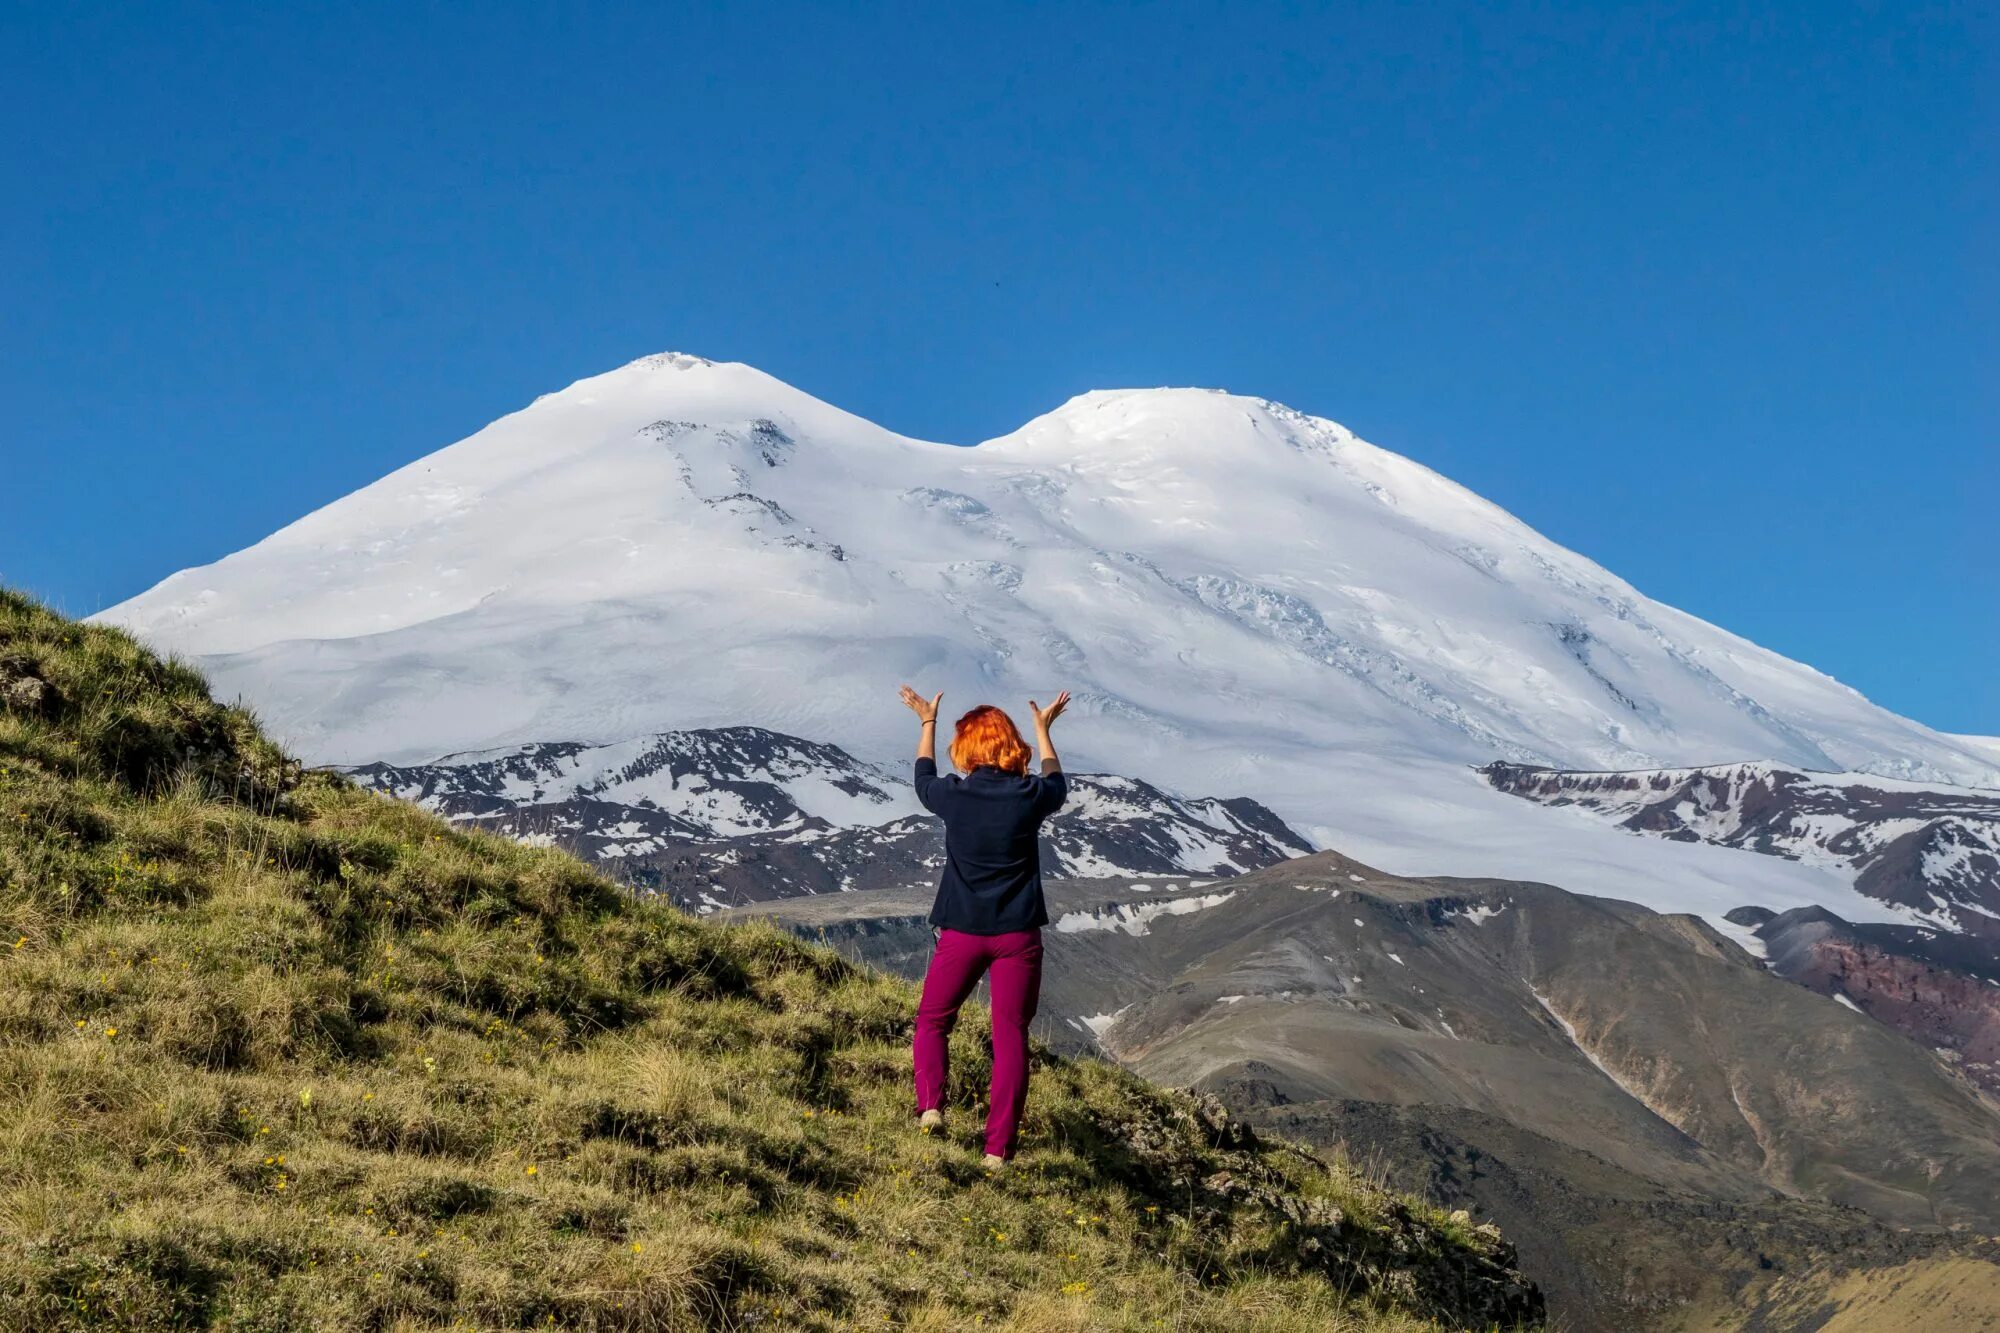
(992,882)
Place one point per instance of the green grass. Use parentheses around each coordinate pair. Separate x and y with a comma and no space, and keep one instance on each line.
(277,1053)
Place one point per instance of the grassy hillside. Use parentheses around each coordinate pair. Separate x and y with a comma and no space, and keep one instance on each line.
(276,1053)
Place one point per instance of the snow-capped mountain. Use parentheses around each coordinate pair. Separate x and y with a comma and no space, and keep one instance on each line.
(1930,849)
(741,814)
(1242,598)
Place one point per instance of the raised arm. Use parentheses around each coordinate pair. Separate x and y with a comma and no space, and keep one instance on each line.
(1044,718)
(926,712)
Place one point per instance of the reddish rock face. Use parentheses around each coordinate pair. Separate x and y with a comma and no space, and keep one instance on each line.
(1947,1010)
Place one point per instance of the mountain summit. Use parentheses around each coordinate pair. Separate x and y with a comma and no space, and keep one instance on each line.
(1241,598)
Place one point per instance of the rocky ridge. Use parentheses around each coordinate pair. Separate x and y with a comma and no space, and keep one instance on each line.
(715,817)
(1930,852)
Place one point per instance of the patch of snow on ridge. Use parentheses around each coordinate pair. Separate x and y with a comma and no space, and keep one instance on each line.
(1099,1024)
(1743,936)
(1952,861)
(1137,918)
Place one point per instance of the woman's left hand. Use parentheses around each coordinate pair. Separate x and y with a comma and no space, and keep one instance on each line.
(1045,716)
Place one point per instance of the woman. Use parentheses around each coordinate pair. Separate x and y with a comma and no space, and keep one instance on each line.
(989,911)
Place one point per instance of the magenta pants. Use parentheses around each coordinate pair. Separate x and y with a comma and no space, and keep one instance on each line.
(1016,963)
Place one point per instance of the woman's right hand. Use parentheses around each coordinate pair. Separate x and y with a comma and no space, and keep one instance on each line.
(926,711)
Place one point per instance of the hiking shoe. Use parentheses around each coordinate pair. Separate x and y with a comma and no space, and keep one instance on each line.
(931,1121)
(994,1165)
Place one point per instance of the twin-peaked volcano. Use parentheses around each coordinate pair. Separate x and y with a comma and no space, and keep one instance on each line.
(1242,598)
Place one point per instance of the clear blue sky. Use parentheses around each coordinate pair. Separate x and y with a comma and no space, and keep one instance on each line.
(1708,293)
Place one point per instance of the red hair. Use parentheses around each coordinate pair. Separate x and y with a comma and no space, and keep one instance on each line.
(987,736)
